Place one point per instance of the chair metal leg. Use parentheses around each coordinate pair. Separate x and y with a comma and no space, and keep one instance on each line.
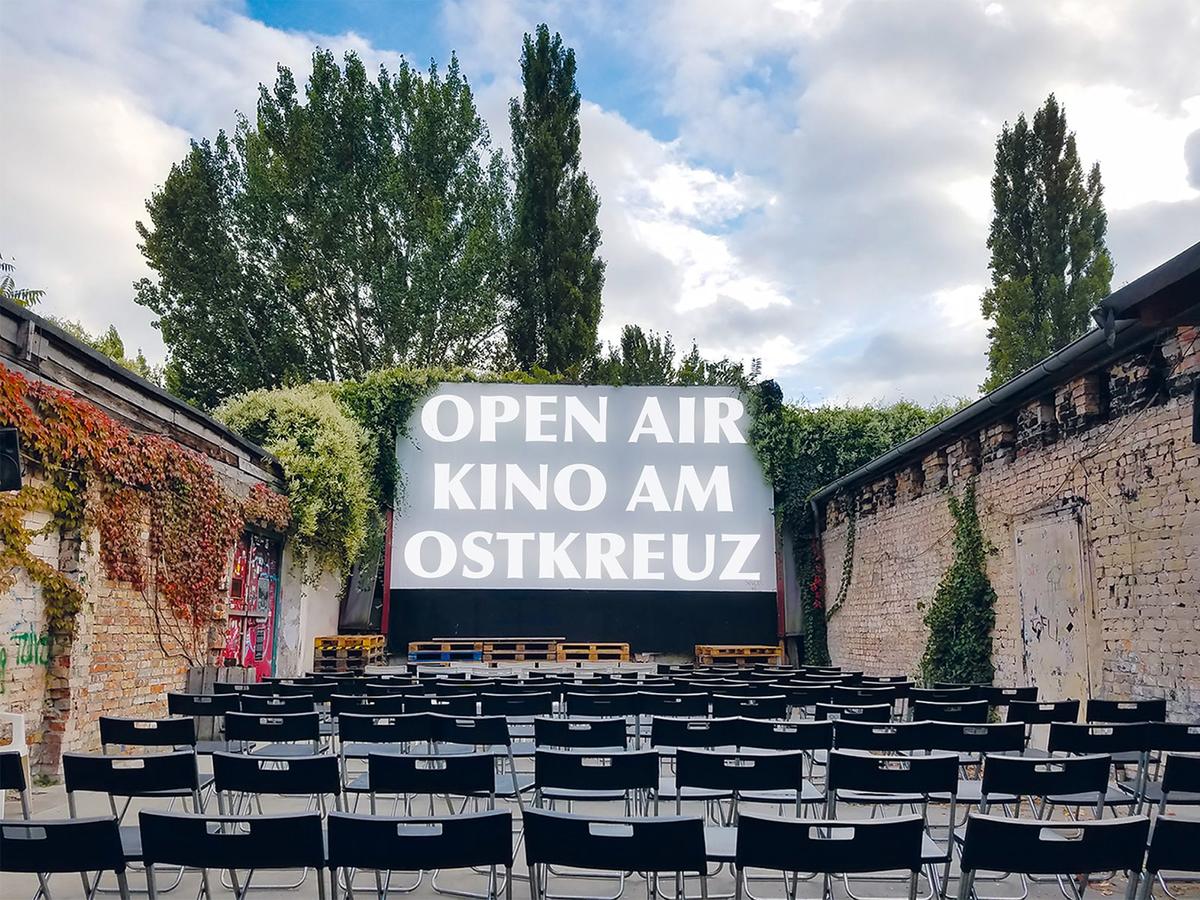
(151,887)
(123,885)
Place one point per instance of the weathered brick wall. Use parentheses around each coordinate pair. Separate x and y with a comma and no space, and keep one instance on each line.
(1113,447)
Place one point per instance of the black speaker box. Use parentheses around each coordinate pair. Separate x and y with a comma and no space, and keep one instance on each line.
(10,460)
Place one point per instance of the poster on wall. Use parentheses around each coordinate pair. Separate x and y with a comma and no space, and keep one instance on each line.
(253,591)
(582,487)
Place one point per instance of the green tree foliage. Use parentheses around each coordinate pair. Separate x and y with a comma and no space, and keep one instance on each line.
(804,448)
(327,459)
(556,274)
(1049,262)
(25,297)
(111,345)
(646,357)
(962,614)
(358,224)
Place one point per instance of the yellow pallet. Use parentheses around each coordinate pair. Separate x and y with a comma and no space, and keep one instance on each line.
(351,641)
(611,651)
(707,654)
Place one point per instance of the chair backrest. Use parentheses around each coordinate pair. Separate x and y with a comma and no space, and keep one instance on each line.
(1173,845)
(201,704)
(275,689)
(896,737)
(596,686)
(1042,712)
(1180,737)
(658,844)
(1072,737)
(275,727)
(714,770)
(1126,710)
(680,705)
(366,704)
(783,734)
(855,770)
(61,845)
(950,711)
(461,688)
(665,732)
(595,770)
(391,688)
(863,694)
(384,729)
(1026,776)
(456,705)
(1181,775)
(1003,696)
(409,844)
(580,733)
(461,774)
(1031,847)
(131,776)
(271,705)
(623,703)
(539,704)
(232,842)
(764,706)
(231,687)
(243,773)
(961,693)
(349,687)
(875,712)
(823,846)
(475,731)
(805,695)
(12,771)
(970,737)
(172,732)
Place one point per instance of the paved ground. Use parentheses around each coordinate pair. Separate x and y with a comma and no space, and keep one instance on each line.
(50,802)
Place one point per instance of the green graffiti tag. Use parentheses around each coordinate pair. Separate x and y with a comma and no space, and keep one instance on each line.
(33,649)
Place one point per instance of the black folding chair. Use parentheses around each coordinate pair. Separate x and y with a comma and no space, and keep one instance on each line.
(1125,711)
(208,713)
(1065,850)
(46,847)
(1042,712)
(232,843)
(693,704)
(1180,785)
(1126,744)
(972,742)
(628,776)
(950,711)
(484,733)
(764,706)
(160,776)
(813,739)
(449,705)
(1002,696)
(826,847)
(176,733)
(566,734)
(385,845)
(601,704)
(1173,847)
(803,697)
(12,778)
(270,704)
(1009,781)
(470,776)
(366,705)
(889,737)
(360,735)
(514,705)
(651,846)
(863,778)
(276,734)
(876,712)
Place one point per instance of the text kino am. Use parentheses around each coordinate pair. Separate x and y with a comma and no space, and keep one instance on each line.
(579,487)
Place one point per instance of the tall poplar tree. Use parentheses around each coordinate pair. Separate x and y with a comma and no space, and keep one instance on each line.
(556,275)
(1049,261)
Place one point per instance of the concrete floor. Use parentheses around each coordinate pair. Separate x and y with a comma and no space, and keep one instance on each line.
(50,802)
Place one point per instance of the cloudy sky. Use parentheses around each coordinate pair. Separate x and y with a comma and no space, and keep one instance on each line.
(797,180)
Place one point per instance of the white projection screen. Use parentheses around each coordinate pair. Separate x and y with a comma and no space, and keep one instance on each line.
(581,488)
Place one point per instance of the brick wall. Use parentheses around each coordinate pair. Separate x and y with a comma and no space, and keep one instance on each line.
(1112,450)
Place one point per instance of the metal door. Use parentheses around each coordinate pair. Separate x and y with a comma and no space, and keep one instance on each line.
(1052,585)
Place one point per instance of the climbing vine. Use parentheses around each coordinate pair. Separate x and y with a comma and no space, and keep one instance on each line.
(963,611)
(847,559)
(164,521)
(801,449)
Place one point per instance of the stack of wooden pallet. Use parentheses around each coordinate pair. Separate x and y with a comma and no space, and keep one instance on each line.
(611,652)
(445,650)
(739,654)
(349,652)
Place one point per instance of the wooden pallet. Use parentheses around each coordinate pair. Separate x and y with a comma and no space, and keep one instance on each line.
(611,651)
(739,654)
(348,659)
(489,650)
(351,642)
(443,656)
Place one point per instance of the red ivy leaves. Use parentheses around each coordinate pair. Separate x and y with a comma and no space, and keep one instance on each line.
(164,518)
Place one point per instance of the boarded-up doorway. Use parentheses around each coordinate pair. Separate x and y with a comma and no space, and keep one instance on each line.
(1052,583)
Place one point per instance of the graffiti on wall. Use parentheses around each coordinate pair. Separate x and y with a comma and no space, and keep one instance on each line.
(28,648)
(253,593)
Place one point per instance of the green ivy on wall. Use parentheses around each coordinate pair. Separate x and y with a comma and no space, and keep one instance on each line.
(963,611)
